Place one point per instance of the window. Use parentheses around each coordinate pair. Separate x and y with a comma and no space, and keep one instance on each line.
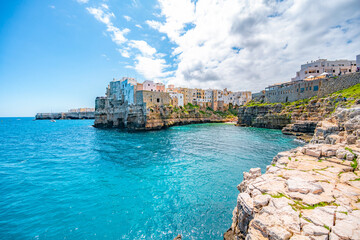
(316,88)
(302,89)
(333,71)
(317,71)
(310,88)
(158,100)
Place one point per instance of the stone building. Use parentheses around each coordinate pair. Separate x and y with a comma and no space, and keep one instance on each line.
(160,87)
(320,66)
(293,91)
(151,98)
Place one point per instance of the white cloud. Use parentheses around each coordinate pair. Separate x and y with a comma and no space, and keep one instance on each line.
(143,47)
(105,6)
(52,6)
(125,53)
(127,18)
(102,14)
(106,57)
(82,1)
(248,44)
(151,68)
(138,26)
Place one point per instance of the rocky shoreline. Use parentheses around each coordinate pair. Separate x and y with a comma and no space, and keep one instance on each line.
(65,115)
(311,192)
(298,118)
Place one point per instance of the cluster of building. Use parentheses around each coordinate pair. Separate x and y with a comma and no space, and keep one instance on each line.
(308,81)
(311,78)
(128,90)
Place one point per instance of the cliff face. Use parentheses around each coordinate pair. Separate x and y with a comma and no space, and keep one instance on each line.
(311,192)
(112,114)
(298,118)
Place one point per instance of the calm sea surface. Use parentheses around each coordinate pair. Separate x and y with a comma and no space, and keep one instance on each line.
(68,180)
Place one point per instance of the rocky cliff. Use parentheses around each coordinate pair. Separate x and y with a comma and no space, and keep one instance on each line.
(112,114)
(311,192)
(298,118)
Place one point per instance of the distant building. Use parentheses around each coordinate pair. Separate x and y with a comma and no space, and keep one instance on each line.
(320,66)
(82,110)
(358,63)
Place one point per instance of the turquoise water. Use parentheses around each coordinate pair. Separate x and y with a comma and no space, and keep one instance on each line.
(68,180)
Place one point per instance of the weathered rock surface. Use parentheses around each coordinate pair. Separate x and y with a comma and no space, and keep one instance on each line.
(311,192)
(299,119)
(114,114)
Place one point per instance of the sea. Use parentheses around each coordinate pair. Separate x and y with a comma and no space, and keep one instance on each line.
(69,180)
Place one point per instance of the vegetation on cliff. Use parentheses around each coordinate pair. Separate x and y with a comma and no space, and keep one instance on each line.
(313,109)
(351,95)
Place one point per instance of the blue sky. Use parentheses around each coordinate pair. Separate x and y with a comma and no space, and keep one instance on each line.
(56,54)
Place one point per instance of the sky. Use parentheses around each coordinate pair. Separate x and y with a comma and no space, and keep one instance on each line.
(61,54)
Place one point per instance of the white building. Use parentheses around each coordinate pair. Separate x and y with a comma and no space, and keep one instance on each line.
(315,68)
(128,87)
(179,97)
(237,98)
(208,95)
(122,89)
(358,62)
(149,86)
(114,89)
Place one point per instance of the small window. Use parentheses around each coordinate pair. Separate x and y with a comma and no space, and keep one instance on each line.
(316,88)
(158,100)
(302,89)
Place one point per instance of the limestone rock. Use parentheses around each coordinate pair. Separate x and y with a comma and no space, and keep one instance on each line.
(299,185)
(310,192)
